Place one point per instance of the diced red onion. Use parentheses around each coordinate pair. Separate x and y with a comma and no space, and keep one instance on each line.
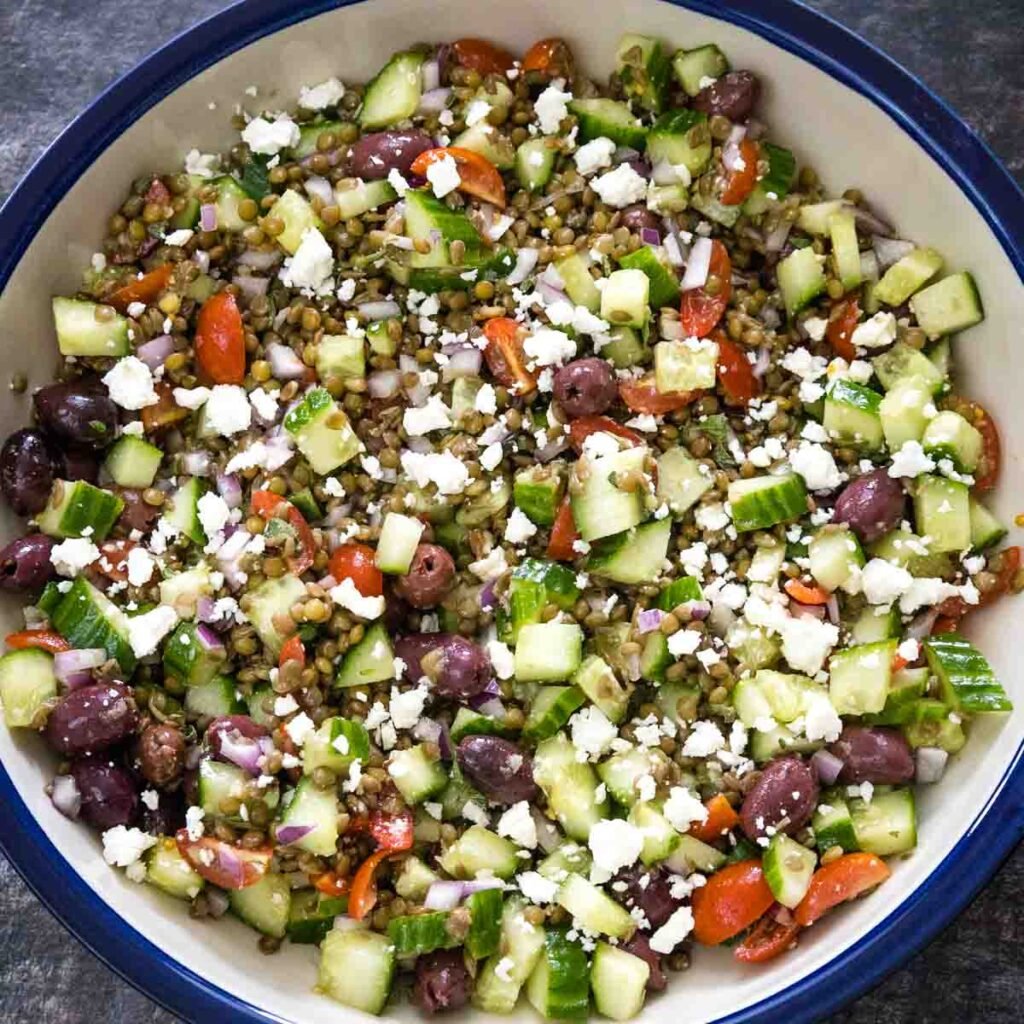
(250,286)
(770,317)
(827,765)
(320,188)
(242,751)
(216,901)
(433,101)
(66,797)
(832,607)
(286,835)
(649,620)
(731,157)
(650,236)
(444,743)
(549,294)
(443,896)
(492,708)
(208,217)
(284,363)
(762,363)
(420,445)
(931,764)
(155,351)
(382,309)
(889,250)
(208,639)
(807,611)
(229,864)
(260,259)
(196,463)
(552,277)
(463,362)
(491,691)
(548,836)
(229,489)
(552,449)
(74,668)
(430,74)
(623,154)
(782,915)
(870,223)
(229,556)
(921,627)
(676,247)
(205,609)
(328,582)
(526,260)
(427,730)
(671,329)
(487,598)
(698,265)
(383,383)
(695,611)
(775,240)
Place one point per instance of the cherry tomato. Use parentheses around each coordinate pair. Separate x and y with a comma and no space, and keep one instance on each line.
(767,940)
(477,175)
(505,356)
(563,534)
(220,340)
(805,593)
(699,311)
(44,639)
(740,182)
(480,55)
(220,863)
(330,884)
(840,880)
(115,554)
(731,901)
(357,562)
(1004,566)
(363,895)
(842,322)
(165,413)
(583,426)
(143,289)
(550,58)
(392,832)
(642,395)
(722,818)
(990,463)
(735,373)
(292,650)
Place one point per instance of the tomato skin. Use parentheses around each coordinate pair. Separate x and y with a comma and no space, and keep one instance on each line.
(505,356)
(735,373)
(220,863)
(563,534)
(841,324)
(804,593)
(363,895)
(551,58)
(477,175)
(115,554)
(722,818)
(990,464)
(220,340)
(480,55)
(842,879)
(732,900)
(165,413)
(766,941)
(330,884)
(740,183)
(583,426)
(357,562)
(1004,566)
(143,289)
(272,506)
(292,651)
(700,312)
(392,832)
(44,639)
(643,396)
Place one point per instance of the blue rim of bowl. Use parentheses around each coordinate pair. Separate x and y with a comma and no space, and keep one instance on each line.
(786,23)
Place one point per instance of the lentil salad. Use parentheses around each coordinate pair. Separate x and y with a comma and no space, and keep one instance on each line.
(503,529)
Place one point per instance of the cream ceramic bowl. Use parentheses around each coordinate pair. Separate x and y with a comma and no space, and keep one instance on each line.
(841,105)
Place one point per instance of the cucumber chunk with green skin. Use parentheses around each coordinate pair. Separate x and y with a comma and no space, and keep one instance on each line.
(305,502)
(357,197)
(538,491)
(693,855)
(548,652)
(625,298)
(949,436)
(950,305)
(788,868)
(222,788)
(714,210)
(340,355)
(906,688)
(309,134)
(610,119)
(776,183)
(311,916)
(579,285)
(832,823)
(942,513)
(379,337)
(264,905)
(568,859)
(229,195)
(902,364)
(681,482)
(484,935)
(619,982)
(77,508)
(270,600)
(693,68)
(668,198)
(311,806)
(932,723)
(599,682)
(679,591)
(903,412)
(298,217)
(415,934)
(655,657)
(766,745)
(625,348)
(571,787)
(478,849)
(169,872)
(763,501)
(965,676)
(835,556)
(336,743)
(559,987)
(685,365)
(485,140)
(414,879)
(260,705)
(182,590)
(635,556)
(372,660)
(416,775)
(907,276)
(429,221)
(356,968)
(322,431)
(183,509)
(664,284)
(660,838)
(88,619)
(594,910)
(503,975)
(396,546)
(535,164)
(213,699)
(813,218)
(851,415)
(888,824)
(394,94)
(550,710)
(859,678)
(89,329)
(621,773)
(644,70)
(680,137)
(801,279)
(132,462)
(472,723)
(599,507)
(845,250)
(189,658)
(986,530)
(27,682)
(679,700)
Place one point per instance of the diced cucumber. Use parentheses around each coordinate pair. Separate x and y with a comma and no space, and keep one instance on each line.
(874,624)
(949,436)
(694,68)
(223,789)
(621,772)
(907,276)
(132,462)
(635,556)
(295,212)
(949,305)
(903,413)
(570,786)
(27,682)
(309,135)
(965,676)
(906,688)
(394,94)
(489,143)
(788,868)
(213,699)
(379,337)
(399,538)
(480,850)
(413,934)
(312,806)
(260,704)
(715,210)
(777,181)
(660,838)
(183,589)
(619,982)
(986,530)
(548,652)
(89,329)
(626,348)
(169,872)
(693,855)
(763,501)
(679,591)
(567,859)
(851,415)
(592,909)
(485,910)
(902,364)
(229,195)
(503,975)
(941,355)
(845,250)
(681,137)
(597,680)
(942,513)
(859,678)
(767,745)
(932,723)
(599,507)
(888,824)
(322,431)
(832,823)
(610,119)
(265,905)
(835,555)
(668,198)
(684,365)
(356,968)
(681,484)
(305,502)
(534,585)
(88,619)
(538,490)
(336,743)
(559,987)
(183,509)
(416,775)
(189,658)
(535,163)
(414,879)
(550,709)
(340,355)
(801,279)
(372,660)
(814,218)
(354,197)
(77,508)
(311,916)
(664,284)
(626,297)
(272,599)
(644,70)
(579,285)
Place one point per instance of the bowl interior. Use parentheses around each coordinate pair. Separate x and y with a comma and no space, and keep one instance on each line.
(845,137)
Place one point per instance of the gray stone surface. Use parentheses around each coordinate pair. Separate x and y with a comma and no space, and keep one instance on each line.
(59,53)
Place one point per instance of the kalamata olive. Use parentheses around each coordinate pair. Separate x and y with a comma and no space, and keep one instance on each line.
(161,753)
(636,218)
(108,793)
(442,981)
(25,563)
(871,505)
(241,724)
(91,718)
(166,817)
(79,464)
(783,797)
(429,577)
(874,754)
(26,471)
(456,667)
(585,387)
(137,514)
(498,768)
(78,412)
(640,946)
(733,95)
(375,156)
(651,892)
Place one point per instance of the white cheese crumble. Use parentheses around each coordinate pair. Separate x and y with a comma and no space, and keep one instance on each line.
(547,347)
(537,889)
(615,844)
(141,565)
(130,383)
(347,596)
(326,94)
(817,466)
(299,728)
(910,461)
(502,659)
(147,630)
(594,155)
(519,529)
(476,112)
(227,410)
(551,107)
(124,846)
(683,807)
(592,733)
(620,187)
(202,165)
(875,332)
(269,137)
(71,556)
(443,176)
(312,267)
(441,468)
(434,415)
(704,739)
(517,823)
(673,931)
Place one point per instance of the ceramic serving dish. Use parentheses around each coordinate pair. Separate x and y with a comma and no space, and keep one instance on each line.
(845,108)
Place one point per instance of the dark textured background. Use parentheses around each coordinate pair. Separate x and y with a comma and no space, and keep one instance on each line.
(58,54)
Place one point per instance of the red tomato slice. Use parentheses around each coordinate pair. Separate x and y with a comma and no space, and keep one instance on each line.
(363,895)
(505,356)
(841,324)
(841,880)
(143,289)
(740,182)
(477,175)
(563,534)
(273,506)
(583,426)
(990,463)
(165,413)
(700,312)
(357,562)
(220,340)
(44,639)
(292,650)
(733,899)
(114,553)
(804,593)
(480,55)
(220,863)
(722,818)
(330,884)
(392,832)
(642,395)
(735,373)
(766,941)
(551,58)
